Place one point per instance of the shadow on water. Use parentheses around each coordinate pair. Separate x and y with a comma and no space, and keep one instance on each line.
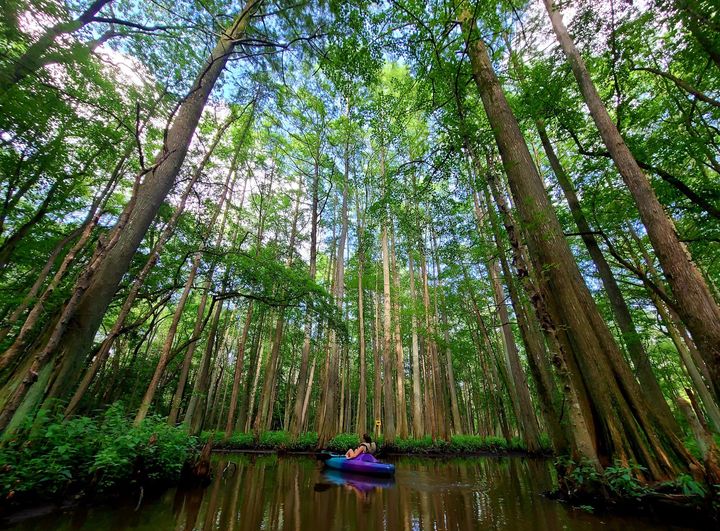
(295,493)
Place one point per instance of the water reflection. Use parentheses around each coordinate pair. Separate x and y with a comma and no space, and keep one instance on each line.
(291,493)
(362,486)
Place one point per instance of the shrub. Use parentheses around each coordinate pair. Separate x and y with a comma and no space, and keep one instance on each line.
(688,486)
(411,445)
(305,442)
(496,443)
(53,457)
(241,441)
(623,480)
(271,440)
(343,441)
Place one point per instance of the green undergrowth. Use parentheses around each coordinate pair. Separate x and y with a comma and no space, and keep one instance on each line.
(458,444)
(308,442)
(269,440)
(622,486)
(55,459)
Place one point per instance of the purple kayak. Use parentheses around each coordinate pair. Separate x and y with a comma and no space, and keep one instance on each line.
(363,464)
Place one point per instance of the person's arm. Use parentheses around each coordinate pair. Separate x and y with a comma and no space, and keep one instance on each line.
(352,454)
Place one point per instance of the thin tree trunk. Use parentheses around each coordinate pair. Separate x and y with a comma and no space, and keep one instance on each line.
(389,402)
(245,411)
(187,360)
(454,408)
(401,406)
(166,348)
(266,404)
(298,418)
(39,281)
(329,422)
(237,375)
(362,391)
(377,372)
(417,421)
(436,395)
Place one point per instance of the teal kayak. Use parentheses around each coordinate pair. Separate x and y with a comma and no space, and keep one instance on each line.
(363,464)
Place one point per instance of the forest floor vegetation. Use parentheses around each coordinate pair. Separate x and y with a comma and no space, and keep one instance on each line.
(52,460)
(282,441)
(619,489)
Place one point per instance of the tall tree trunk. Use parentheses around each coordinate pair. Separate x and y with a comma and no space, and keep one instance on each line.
(621,312)
(245,411)
(265,410)
(87,227)
(389,398)
(164,353)
(84,312)
(518,388)
(436,403)
(237,375)
(450,372)
(153,257)
(194,416)
(400,404)
(187,360)
(417,419)
(361,422)
(696,305)
(329,424)
(530,333)
(377,371)
(298,418)
(628,428)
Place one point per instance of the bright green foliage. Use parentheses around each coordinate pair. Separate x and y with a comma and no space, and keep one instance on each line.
(343,441)
(269,440)
(623,480)
(106,454)
(273,439)
(622,483)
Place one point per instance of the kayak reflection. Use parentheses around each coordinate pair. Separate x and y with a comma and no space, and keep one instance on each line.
(361,485)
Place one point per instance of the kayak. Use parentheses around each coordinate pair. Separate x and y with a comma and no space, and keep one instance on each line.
(363,464)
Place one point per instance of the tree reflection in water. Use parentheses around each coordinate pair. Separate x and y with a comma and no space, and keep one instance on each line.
(267,492)
(362,486)
(294,493)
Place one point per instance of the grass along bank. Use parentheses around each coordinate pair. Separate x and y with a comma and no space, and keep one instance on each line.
(307,442)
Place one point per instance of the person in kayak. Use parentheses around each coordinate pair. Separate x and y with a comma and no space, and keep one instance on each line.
(366,447)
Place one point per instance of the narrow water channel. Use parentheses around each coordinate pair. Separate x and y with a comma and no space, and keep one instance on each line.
(252,492)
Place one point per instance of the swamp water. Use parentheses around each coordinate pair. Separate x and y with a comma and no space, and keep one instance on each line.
(252,492)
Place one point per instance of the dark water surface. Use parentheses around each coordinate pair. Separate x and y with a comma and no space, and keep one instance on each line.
(294,493)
